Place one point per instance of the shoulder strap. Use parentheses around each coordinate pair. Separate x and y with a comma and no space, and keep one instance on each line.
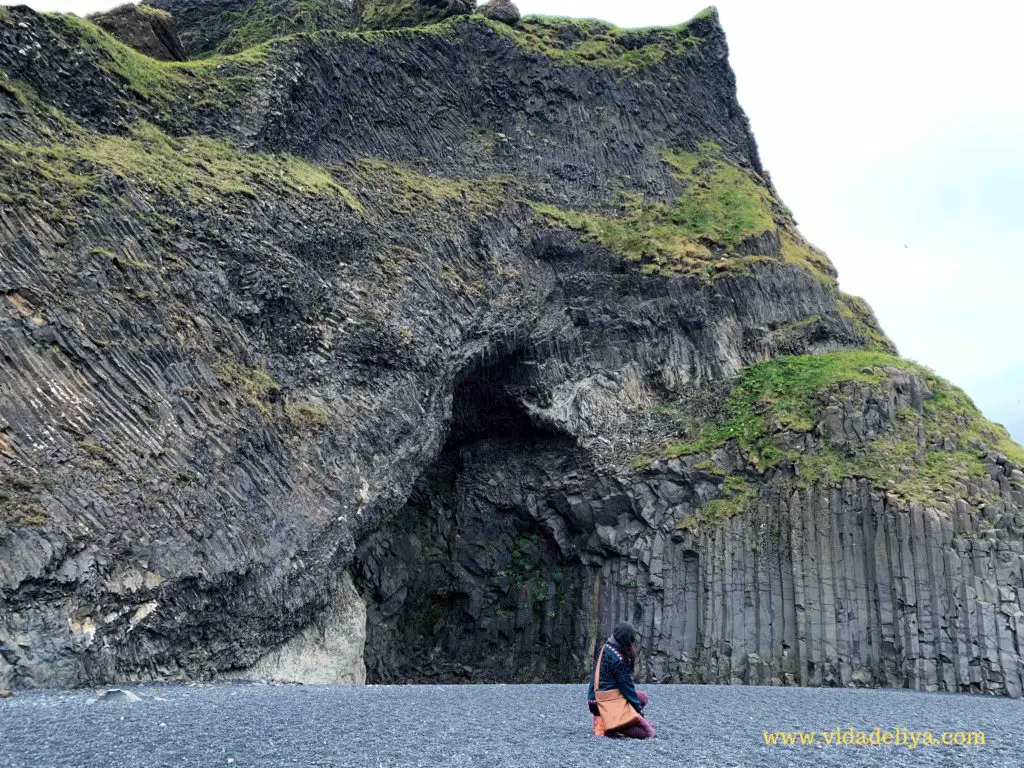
(597,671)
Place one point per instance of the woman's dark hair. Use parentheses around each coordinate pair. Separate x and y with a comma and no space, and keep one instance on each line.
(624,634)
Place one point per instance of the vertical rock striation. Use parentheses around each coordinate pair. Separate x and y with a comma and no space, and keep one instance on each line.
(479,337)
(808,582)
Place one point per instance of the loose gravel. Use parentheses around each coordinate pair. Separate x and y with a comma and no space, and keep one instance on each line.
(272,726)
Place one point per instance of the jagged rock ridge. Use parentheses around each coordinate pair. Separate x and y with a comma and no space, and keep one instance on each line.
(495,334)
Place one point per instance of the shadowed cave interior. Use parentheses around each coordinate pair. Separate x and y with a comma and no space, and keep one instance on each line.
(467,581)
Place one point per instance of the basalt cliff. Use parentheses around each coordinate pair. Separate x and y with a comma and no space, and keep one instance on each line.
(391,341)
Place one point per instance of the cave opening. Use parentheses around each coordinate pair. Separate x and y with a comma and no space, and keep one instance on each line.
(466,581)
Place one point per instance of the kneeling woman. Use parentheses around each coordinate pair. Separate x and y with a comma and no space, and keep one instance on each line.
(616,657)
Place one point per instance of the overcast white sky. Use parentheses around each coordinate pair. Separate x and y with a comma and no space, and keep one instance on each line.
(895,131)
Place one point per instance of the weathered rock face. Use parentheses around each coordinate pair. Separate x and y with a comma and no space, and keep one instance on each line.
(389,14)
(327,651)
(509,546)
(493,335)
(501,10)
(229,26)
(145,29)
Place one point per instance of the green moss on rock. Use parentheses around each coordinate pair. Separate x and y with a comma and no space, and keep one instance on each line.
(702,230)
(788,394)
(595,44)
(408,192)
(722,203)
(20,505)
(156,13)
(253,385)
(263,21)
(855,309)
(214,82)
(780,394)
(195,168)
(307,416)
(738,495)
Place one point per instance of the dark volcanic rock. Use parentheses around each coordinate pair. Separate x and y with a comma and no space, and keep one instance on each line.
(229,26)
(389,14)
(501,10)
(471,338)
(145,29)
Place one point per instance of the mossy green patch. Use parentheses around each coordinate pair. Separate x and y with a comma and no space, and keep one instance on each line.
(253,384)
(259,23)
(19,498)
(307,416)
(195,168)
(151,79)
(738,494)
(952,414)
(700,231)
(216,82)
(789,393)
(855,309)
(801,254)
(597,45)
(780,394)
(386,14)
(93,449)
(408,192)
(722,203)
(156,13)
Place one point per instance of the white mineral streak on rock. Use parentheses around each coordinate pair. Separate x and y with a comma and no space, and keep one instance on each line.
(329,650)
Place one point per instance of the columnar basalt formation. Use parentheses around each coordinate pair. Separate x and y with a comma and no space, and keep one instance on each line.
(471,337)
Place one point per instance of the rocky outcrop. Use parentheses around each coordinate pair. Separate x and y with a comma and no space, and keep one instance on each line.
(230,26)
(145,29)
(328,651)
(498,334)
(501,10)
(390,14)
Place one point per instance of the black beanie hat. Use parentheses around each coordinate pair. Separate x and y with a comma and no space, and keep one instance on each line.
(624,634)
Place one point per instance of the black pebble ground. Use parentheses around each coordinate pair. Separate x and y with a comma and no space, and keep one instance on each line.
(271,726)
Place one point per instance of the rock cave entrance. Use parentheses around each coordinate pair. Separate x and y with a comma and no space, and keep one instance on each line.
(467,581)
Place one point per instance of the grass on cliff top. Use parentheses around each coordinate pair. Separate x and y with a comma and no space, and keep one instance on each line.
(156,13)
(257,24)
(721,206)
(595,44)
(573,42)
(400,14)
(789,393)
(195,168)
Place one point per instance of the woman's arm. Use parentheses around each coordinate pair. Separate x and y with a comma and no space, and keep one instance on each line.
(624,682)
